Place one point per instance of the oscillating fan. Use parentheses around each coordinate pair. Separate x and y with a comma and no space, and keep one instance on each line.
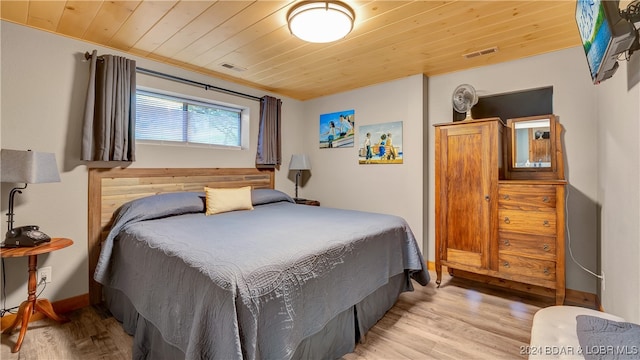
(464,97)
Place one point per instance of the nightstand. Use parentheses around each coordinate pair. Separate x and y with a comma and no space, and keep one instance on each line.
(307,202)
(32,304)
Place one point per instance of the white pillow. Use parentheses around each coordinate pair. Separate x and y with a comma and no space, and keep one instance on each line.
(224,200)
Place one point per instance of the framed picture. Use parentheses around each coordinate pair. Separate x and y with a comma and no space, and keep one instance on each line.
(380,143)
(337,129)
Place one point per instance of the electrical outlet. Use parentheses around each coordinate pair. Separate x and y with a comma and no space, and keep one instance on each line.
(602,283)
(44,273)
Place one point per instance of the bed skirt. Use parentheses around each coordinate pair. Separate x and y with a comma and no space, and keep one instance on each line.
(337,338)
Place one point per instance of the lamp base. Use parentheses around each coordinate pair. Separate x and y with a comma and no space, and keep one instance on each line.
(297,178)
(10,213)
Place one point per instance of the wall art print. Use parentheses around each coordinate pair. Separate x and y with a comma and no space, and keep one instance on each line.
(337,129)
(380,143)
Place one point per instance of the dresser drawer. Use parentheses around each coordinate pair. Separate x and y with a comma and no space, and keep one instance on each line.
(528,267)
(527,197)
(528,222)
(543,247)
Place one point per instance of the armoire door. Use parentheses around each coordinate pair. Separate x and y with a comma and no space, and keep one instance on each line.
(467,173)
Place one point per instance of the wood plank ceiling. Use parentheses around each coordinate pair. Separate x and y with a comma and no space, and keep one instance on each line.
(390,40)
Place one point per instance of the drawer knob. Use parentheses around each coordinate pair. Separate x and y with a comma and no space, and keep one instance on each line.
(506,220)
(546,271)
(545,247)
(486,197)
(506,264)
(545,199)
(507,243)
(546,223)
(506,197)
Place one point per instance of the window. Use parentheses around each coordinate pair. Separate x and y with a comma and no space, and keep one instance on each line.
(168,118)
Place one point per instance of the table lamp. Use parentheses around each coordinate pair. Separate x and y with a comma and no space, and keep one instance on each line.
(299,162)
(28,167)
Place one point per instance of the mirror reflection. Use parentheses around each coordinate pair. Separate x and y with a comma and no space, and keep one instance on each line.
(532,144)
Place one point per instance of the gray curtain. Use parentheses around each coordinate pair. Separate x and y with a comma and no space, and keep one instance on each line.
(269,154)
(108,132)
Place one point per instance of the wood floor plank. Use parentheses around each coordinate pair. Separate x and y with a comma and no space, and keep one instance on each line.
(462,319)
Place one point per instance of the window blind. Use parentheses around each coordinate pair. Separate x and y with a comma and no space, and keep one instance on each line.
(162,117)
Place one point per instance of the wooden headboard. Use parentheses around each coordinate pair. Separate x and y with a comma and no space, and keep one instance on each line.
(110,188)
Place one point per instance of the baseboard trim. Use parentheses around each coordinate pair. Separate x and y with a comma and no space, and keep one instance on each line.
(572,297)
(60,307)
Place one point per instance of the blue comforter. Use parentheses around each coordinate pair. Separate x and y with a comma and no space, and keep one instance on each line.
(250,284)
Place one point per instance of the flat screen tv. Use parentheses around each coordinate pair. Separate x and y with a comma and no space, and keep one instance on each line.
(605,34)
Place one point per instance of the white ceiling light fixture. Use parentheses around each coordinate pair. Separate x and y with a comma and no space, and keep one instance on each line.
(320,21)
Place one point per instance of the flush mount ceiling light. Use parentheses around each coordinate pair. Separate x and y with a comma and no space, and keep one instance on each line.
(320,21)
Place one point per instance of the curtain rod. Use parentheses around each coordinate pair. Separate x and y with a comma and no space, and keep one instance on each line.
(158,74)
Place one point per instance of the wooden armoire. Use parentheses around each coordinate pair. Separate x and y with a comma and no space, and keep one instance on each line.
(496,215)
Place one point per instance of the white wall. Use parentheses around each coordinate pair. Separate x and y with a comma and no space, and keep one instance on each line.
(337,180)
(44,79)
(574,103)
(619,189)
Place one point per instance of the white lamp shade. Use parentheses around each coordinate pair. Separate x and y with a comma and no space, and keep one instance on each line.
(29,167)
(299,162)
(320,21)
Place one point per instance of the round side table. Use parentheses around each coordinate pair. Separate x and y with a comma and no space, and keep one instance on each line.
(32,304)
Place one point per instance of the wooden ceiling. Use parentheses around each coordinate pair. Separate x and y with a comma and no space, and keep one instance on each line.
(390,40)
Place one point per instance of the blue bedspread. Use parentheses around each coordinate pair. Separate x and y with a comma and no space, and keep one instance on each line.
(250,284)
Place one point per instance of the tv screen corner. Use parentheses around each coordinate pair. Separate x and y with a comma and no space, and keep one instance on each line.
(604,35)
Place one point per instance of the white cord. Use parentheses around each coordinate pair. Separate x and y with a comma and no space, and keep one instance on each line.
(566,209)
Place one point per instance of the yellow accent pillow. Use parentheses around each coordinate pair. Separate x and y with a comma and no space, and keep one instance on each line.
(224,200)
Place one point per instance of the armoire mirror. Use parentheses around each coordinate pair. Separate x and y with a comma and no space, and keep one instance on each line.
(534,149)
(532,144)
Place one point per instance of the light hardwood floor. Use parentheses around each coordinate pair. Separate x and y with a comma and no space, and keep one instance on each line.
(460,320)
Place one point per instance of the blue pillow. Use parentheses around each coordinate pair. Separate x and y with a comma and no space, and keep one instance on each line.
(266,196)
(162,205)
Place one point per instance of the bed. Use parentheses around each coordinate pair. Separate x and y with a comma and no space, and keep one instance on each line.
(279,281)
